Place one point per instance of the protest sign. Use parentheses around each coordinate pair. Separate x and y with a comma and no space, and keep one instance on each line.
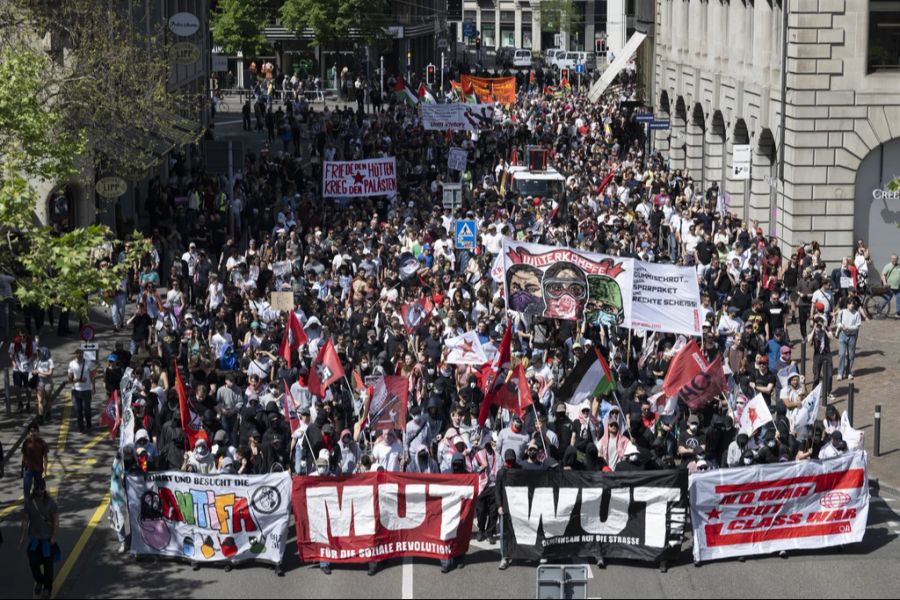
(666,298)
(282,301)
(456,116)
(359,178)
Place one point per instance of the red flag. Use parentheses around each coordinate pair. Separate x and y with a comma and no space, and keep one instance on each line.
(688,363)
(294,337)
(416,314)
(389,403)
(289,407)
(190,422)
(357,381)
(515,394)
(111,417)
(705,386)
(491,374)
(326,369)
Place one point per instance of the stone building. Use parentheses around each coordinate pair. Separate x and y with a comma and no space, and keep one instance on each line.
(824,139)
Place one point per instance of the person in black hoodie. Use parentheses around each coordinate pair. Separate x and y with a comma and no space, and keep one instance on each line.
(171,455)
(563,428)
(510,461)
(247,424)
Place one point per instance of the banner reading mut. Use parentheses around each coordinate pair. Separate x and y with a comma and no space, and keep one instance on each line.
(376,516)
(763,509)
(457,116)
(358,178)
(208,518)
(564,283)
(559,514)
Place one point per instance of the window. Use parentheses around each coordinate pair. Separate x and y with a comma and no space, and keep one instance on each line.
(487,35)
(470,15)
(884,36)
(508,16)
(527,42)
(507,37)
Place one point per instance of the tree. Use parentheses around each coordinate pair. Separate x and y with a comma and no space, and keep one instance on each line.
(558,16)
(50,269)
(332,20)
(108,79)
(238,26)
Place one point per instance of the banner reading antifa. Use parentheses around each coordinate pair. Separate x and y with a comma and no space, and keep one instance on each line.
(561,514)
(208,518)
(762,509)
(359,178)
(381,515)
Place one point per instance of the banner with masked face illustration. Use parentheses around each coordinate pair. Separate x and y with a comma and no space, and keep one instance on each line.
(564,283)
(210,518)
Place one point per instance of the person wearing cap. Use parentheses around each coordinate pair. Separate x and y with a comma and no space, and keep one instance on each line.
(200,459)
(142,442)
(40,523)
(563,427)
(534,461)
(81,375)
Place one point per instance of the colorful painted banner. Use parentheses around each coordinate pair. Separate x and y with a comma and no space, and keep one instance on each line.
(210,518)
(762,509)
(496,89)
(359,178)
(458,117)
(381,515)
(564,283)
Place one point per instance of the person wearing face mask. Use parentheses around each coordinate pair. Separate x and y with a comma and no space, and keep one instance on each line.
(201,460)
(40,522)
(737,449)
(513,438)
(472,393)
(690,442)
(349,453)
(510,462)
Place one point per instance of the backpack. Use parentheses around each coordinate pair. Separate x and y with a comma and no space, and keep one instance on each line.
(227,358)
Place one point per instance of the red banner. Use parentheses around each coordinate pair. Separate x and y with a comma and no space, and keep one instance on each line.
(382,515)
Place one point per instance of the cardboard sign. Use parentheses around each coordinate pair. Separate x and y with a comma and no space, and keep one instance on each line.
(282,301)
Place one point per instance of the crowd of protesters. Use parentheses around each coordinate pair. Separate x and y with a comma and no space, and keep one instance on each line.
(201,302)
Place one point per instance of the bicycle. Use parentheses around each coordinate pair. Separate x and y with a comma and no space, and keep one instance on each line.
(221,103)
(877,302)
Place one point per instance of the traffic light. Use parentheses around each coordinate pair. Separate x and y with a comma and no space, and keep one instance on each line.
(429,75)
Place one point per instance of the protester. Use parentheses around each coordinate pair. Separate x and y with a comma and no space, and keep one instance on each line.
(40,522)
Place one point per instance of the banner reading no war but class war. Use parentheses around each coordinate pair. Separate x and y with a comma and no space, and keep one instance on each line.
(564,283)
(209,518)
(560,514)
(381,515)
(762,509)
(359,178)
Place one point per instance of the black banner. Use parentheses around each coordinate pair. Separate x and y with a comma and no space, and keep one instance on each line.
(561,514)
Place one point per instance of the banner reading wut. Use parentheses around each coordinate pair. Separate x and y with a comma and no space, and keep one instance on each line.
(209,517)
(563,283)
(763,509)
(359,178)
(376,516)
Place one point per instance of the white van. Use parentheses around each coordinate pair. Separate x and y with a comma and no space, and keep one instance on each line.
(541,184)
(551,55)
(522,59)
(588,59)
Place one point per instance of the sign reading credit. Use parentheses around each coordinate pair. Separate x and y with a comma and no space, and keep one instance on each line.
(360,178)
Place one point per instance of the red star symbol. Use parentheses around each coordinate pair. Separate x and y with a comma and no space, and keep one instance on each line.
(752,413)
(467,347)
(714,514)
(358,178)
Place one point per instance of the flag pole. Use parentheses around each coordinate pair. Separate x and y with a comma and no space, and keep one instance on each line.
(543,443)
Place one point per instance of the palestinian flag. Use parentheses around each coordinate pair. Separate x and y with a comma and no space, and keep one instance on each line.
(404,95)
(425,96)
(590,378)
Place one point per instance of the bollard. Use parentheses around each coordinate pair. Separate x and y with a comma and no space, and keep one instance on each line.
(6,391)
(877,430)
(803,359)
(851,393)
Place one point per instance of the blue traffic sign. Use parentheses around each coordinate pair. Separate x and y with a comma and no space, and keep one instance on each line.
(579,68)
(644,118)
(466,233)
(469,29)
(659,125)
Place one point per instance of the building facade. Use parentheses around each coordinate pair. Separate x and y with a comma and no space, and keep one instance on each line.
(816,96)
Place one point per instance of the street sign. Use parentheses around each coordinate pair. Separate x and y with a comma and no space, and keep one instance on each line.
(457,159)
(644,118)
(452,196)
(88,332)
(91,351)
(660,125)
(740,161)
(469,29)
(466,232)
(111,187)
(579,68)
(219,63)
(184,24)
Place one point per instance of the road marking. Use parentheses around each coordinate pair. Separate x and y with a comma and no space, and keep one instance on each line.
(97,439)
(485,545)
(80,544)
(12,507)
(219,123)
(407,586)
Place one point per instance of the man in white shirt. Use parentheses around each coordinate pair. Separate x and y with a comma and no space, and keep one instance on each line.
(81,376)
(848,322)
(388,452)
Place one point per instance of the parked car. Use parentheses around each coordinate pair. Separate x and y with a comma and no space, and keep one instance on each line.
(588,59)
(552,55)
(522,59)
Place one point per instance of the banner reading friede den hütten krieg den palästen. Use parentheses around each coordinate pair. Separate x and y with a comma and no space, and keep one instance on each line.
(359,178)
(666,298)
(762,509)
(210,518)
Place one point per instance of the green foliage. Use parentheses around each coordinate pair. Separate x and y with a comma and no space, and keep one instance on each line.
(894,184)
(332,20)
(238,26)
(558,16)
